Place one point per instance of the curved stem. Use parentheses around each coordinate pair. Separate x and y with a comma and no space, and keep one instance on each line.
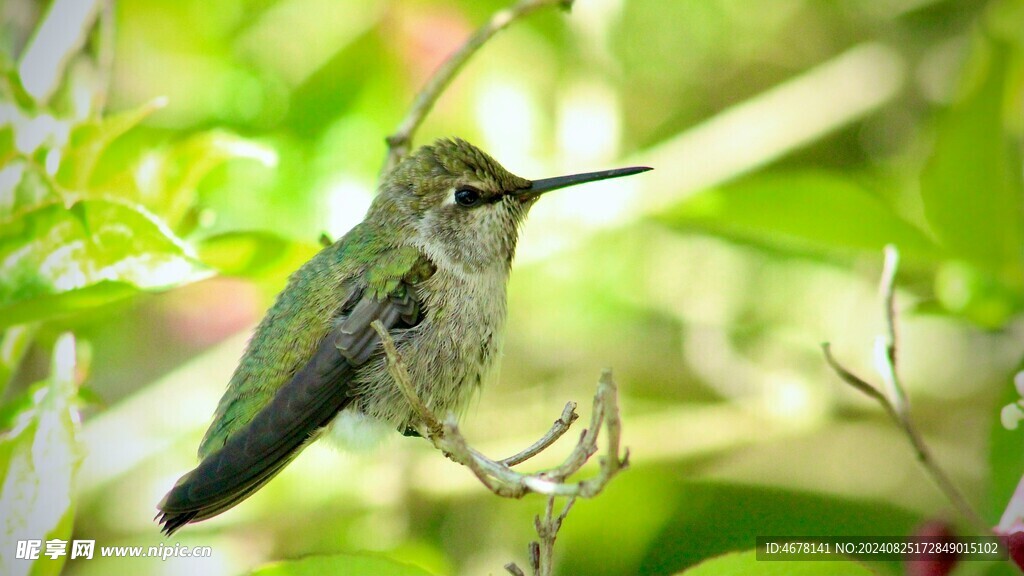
(895,402)
(399,141)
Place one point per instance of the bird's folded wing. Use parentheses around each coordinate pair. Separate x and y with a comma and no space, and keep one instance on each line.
(308,402)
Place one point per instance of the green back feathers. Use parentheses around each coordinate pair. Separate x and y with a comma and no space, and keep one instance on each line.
(300,318)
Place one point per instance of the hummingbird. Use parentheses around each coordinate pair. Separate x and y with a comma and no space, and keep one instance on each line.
(431,262)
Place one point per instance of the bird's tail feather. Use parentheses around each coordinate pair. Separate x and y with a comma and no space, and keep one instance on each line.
(257,452)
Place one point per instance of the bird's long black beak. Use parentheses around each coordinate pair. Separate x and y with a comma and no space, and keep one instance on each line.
(538,187)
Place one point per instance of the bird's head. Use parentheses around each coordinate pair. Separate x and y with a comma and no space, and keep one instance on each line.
(460,205)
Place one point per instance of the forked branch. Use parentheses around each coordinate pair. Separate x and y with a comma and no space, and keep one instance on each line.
(498,475)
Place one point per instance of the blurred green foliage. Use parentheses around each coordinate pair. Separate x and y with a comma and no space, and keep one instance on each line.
(160,178)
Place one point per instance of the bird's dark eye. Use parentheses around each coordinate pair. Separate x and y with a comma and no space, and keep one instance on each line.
(467,197)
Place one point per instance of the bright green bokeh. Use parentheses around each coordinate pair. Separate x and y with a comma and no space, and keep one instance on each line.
(159,184)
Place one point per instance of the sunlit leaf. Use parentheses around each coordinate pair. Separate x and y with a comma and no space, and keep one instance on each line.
(49,306)
(341,564)
(11,88)
(90,139)
(252,253)
(91,254)
(747,564)
(23,188)
(167,179)
(805,211)
(971,187)
(38,461)
(164,180)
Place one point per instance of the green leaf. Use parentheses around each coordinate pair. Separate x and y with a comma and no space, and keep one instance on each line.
(13,90)
(348,564)
(636,524)
(250,254)
(90,139)
(56,260)
(164,181)
(971,187)
(23,188)
(747,564)
(38,461)
(42,307)
(715,518)
(167,179)
(805,211)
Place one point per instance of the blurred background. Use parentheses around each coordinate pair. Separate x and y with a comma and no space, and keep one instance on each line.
(165,165)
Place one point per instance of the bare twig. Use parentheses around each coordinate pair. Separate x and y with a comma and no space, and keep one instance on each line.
(399,141)
(400,374)
(548,529)
(855,381)
(887,287)
(498,475)
(559,428)
(898,406)
(514,570)
(887,345)
(542,552)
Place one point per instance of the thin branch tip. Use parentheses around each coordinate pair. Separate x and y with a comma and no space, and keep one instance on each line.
(896,403)
(400,140)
